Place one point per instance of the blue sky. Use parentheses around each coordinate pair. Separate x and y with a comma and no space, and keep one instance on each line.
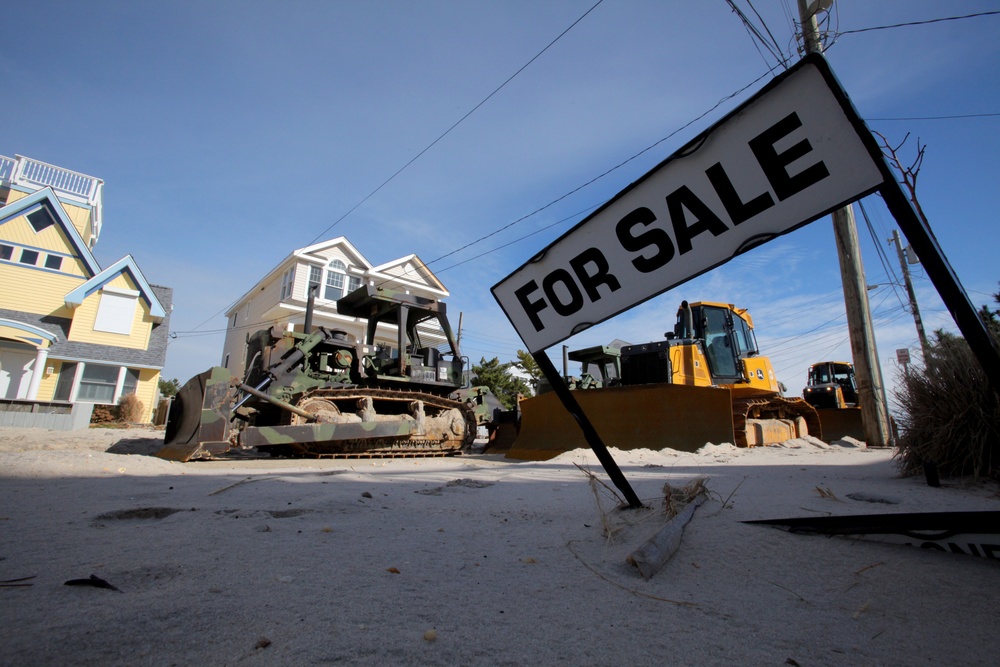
(230,133)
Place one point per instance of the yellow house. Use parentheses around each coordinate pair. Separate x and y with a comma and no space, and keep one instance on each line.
(70,331)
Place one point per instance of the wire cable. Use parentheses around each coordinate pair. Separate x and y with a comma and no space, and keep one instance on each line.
(456,124)
(913,23)
(965,115)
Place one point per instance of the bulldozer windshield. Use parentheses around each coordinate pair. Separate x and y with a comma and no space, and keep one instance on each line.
(715,326)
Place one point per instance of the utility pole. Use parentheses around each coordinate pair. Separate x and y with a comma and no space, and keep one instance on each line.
(924,346)
(871,392)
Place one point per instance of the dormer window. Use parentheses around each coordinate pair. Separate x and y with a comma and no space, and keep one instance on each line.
(336,275)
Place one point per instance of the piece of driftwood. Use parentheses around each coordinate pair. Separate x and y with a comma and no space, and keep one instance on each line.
(655,553)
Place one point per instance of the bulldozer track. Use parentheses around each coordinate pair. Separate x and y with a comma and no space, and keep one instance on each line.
(401,446)
(774,407)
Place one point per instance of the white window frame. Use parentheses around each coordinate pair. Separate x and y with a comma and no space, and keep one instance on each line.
(353,283)
(287,283)
(315,278)
(115,392)
(336,279)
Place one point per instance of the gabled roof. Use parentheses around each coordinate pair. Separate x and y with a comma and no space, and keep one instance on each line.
(309,253)
(127,266)
(419,271)
(341,241)
(46,198)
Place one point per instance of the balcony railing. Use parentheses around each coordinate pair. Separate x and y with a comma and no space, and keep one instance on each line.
(6,168)
(35,175)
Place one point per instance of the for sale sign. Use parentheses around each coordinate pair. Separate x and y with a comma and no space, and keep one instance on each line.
(786,157)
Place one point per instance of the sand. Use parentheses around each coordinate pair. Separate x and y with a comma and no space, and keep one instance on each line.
(472,560)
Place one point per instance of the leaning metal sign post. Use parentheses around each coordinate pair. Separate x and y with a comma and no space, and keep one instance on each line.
(794,152)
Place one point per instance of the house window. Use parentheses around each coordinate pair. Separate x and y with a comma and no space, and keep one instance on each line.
(98,384)
(6,252)
(225,362)
(353,283)
(235,315)
(40,219)
(131,383)
(315,279)
(53,262)
(115,312)
(64,385)
(287,281)
(29,257)
(336,274)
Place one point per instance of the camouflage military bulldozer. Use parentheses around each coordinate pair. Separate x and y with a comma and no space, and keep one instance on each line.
(318,393)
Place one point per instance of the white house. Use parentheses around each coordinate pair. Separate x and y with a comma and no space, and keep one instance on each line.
(334,268)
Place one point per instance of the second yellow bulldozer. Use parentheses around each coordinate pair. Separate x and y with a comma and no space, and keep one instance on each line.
(705,382)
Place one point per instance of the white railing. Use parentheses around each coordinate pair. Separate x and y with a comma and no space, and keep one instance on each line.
(36,175)
(33,172)
(6,168)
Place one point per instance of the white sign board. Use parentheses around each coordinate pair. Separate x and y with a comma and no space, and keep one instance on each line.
(784,158)
(903,356)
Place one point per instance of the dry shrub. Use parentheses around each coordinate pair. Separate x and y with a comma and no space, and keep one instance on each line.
(104,414)
(951,414)
(130,409)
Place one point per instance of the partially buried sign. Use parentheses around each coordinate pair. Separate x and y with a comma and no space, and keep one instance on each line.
(787,156)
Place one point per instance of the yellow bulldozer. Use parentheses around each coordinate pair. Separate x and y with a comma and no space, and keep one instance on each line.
(705,382)
(832,389)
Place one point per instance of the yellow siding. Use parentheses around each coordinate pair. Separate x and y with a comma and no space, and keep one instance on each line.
(146,392)
(86,314)
(36,292)
(15,195)
(80,215)
(52,238)
(47,388)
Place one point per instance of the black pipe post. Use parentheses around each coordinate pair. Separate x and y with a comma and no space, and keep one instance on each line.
(310,305)
(589,433)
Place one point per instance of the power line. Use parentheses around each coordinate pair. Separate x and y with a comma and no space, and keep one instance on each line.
(768,31)
(912,23)
(456,124)
(966,115)
(599,176)
(431,145)
(771,46)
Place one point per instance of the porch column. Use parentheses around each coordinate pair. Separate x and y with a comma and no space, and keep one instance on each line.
(41,357)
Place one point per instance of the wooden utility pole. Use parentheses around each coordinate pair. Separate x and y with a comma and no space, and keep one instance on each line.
(924,345)
(871,393)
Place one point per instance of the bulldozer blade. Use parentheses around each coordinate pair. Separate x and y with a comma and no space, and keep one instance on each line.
(198,422)
(634,417)
(845,422)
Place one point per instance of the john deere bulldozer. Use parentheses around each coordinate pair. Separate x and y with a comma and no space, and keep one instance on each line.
(317,393)
(705,382)
(832,389)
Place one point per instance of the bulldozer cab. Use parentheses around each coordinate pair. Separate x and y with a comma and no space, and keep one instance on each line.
(600,366)
(416,359)
(839,373)
(727,336)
